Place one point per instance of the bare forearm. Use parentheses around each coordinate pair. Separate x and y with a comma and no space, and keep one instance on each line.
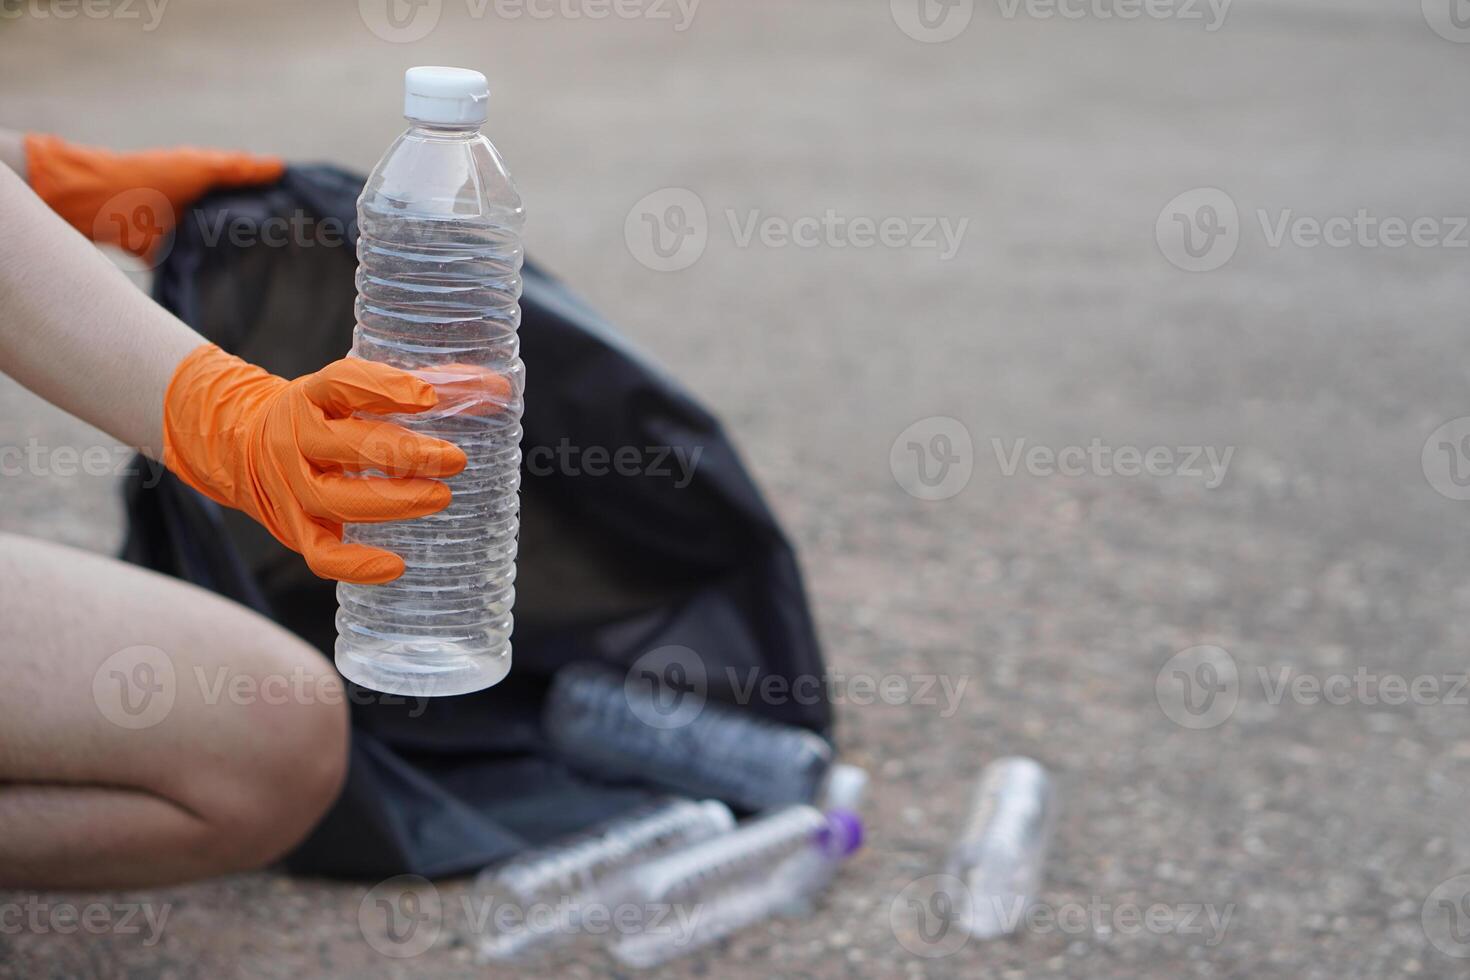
(75,331)
(13,151)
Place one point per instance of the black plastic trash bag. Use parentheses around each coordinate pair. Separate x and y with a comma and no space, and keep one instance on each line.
(611,566)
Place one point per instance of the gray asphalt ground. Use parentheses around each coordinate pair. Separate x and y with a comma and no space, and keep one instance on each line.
(1330,834)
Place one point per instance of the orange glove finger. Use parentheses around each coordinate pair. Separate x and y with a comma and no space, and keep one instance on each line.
(328,556)
(354,385)
(226,168)
(345,499)
(364,444)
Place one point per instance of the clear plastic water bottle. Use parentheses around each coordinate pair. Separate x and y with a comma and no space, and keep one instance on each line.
(539,899)
(1001,852)
(438,291)
(603,726)
(700,894)
(844,789)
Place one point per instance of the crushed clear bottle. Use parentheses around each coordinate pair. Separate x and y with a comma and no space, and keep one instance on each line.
(702,893)
(539,899)
(1001,852)
(601,725)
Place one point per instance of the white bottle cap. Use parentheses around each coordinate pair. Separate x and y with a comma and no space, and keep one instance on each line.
(846,786)
(445,96)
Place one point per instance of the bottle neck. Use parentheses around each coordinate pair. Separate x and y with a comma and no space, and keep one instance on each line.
(443,131)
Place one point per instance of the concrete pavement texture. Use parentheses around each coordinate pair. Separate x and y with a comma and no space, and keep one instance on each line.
(1156,354)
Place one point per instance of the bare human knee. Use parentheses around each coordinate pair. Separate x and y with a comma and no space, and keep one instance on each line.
(289,764)
(229,770)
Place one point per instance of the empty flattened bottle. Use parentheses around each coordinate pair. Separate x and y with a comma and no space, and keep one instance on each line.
(600,725)
(700,894)
(439,285)
(539,899)
(1001,852)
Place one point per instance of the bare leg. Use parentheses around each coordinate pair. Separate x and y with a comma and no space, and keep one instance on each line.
(108,780)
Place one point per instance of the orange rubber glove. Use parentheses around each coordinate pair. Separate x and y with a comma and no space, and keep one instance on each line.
(282,451)
(132,200)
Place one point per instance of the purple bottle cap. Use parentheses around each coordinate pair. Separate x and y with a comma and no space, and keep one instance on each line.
(843,834)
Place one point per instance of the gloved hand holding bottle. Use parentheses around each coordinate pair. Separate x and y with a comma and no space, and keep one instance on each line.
(288,453)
